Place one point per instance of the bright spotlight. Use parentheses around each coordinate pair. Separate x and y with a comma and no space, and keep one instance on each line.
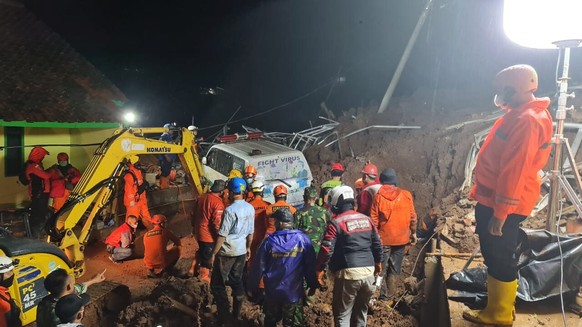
(540,23)
(130,117)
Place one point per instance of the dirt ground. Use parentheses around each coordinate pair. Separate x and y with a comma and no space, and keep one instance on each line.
(430,162)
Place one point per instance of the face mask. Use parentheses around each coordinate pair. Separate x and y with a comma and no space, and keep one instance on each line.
(7,282)
(249,180)
(63,163)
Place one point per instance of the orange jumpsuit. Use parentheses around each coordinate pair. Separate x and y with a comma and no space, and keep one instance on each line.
(157,257)
(135,204)
(208,218)
(260,206)
(280,204)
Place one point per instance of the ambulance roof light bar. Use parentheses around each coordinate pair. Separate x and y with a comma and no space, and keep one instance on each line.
(239,137)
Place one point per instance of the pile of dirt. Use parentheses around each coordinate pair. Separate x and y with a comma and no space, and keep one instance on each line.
(173,302)
(429,161)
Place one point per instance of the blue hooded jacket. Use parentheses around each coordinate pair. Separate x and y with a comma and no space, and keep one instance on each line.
(285,259)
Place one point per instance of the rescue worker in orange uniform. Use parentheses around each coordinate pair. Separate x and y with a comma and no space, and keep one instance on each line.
(64,177)
(39,187)
(207,221)
(250,175)
(157,257)
(507,185)
(280,193)
(260,206)
(9,311)
(393,214)
(135,196)
(234,173)
(369,190)
(120,241)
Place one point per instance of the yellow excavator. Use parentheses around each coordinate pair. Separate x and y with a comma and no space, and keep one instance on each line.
(70,228)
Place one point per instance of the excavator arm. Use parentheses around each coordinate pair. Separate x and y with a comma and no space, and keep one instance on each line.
(99,182)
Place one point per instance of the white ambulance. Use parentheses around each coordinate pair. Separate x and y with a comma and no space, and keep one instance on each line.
(275,163)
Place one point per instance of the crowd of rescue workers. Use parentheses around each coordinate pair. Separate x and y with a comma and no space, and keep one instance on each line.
(270,254)
(277,256)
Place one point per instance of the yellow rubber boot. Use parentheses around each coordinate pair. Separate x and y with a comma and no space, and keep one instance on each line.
(500,304)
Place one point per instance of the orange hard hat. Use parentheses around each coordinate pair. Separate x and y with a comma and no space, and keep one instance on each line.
(159,219)
(63,156)
(359,184)
(370,169)
(519,78)
(251,170)
(279,190)
(337,166)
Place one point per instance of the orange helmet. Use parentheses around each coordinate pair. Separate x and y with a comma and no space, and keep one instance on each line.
(359,184)
(370,169)
(521,78)
(159,219)
(338,167)
(62,157)
(280,190)
(251,170)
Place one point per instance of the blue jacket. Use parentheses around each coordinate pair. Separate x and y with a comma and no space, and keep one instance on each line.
(284,259)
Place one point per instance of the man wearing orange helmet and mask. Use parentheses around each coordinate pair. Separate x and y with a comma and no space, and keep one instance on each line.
(64,177)
(250,175)
(280,193)
(507,185)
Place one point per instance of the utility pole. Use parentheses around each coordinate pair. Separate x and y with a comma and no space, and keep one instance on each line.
(404,58)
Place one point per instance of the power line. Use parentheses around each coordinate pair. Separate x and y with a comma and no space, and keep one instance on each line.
(276,107)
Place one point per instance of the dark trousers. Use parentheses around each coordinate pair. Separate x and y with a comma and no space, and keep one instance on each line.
(227,271)
(38,213)
(498,251)
(204,253)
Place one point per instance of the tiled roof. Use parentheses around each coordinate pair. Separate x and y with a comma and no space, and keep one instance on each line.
(43,79)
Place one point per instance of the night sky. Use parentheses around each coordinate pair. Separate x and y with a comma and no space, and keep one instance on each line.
(162,54)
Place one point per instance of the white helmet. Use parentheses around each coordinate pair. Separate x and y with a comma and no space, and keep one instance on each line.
(344,192)
(6,264)
(258,186)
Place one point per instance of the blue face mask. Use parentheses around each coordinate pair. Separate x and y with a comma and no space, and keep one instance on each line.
(249,180)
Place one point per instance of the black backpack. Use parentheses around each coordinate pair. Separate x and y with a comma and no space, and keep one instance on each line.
(22,177)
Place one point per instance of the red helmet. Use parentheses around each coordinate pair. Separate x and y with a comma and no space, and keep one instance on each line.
(370,169)
(159,219)
(62,156)
(279,190)
(338,167)
(251,170)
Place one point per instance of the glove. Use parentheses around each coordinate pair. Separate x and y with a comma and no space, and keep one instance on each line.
(377,269)
(320,275)
(413,238)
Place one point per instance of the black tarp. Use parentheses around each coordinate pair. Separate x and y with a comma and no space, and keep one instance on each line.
(538,270)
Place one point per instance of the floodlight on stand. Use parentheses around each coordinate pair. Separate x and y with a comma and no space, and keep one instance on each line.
(550,24)
(130,117)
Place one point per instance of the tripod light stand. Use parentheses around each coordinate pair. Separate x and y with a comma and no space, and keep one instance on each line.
(547,24)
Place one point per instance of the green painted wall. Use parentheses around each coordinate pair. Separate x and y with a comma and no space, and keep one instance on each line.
(55,140)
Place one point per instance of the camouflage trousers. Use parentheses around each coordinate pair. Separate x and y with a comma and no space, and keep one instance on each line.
(290,313)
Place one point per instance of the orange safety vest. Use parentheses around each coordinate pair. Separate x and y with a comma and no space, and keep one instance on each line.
(516,149)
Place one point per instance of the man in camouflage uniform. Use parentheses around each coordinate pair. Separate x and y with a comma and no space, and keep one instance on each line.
(312,219)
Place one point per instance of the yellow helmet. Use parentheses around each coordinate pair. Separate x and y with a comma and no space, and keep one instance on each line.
(235,173)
